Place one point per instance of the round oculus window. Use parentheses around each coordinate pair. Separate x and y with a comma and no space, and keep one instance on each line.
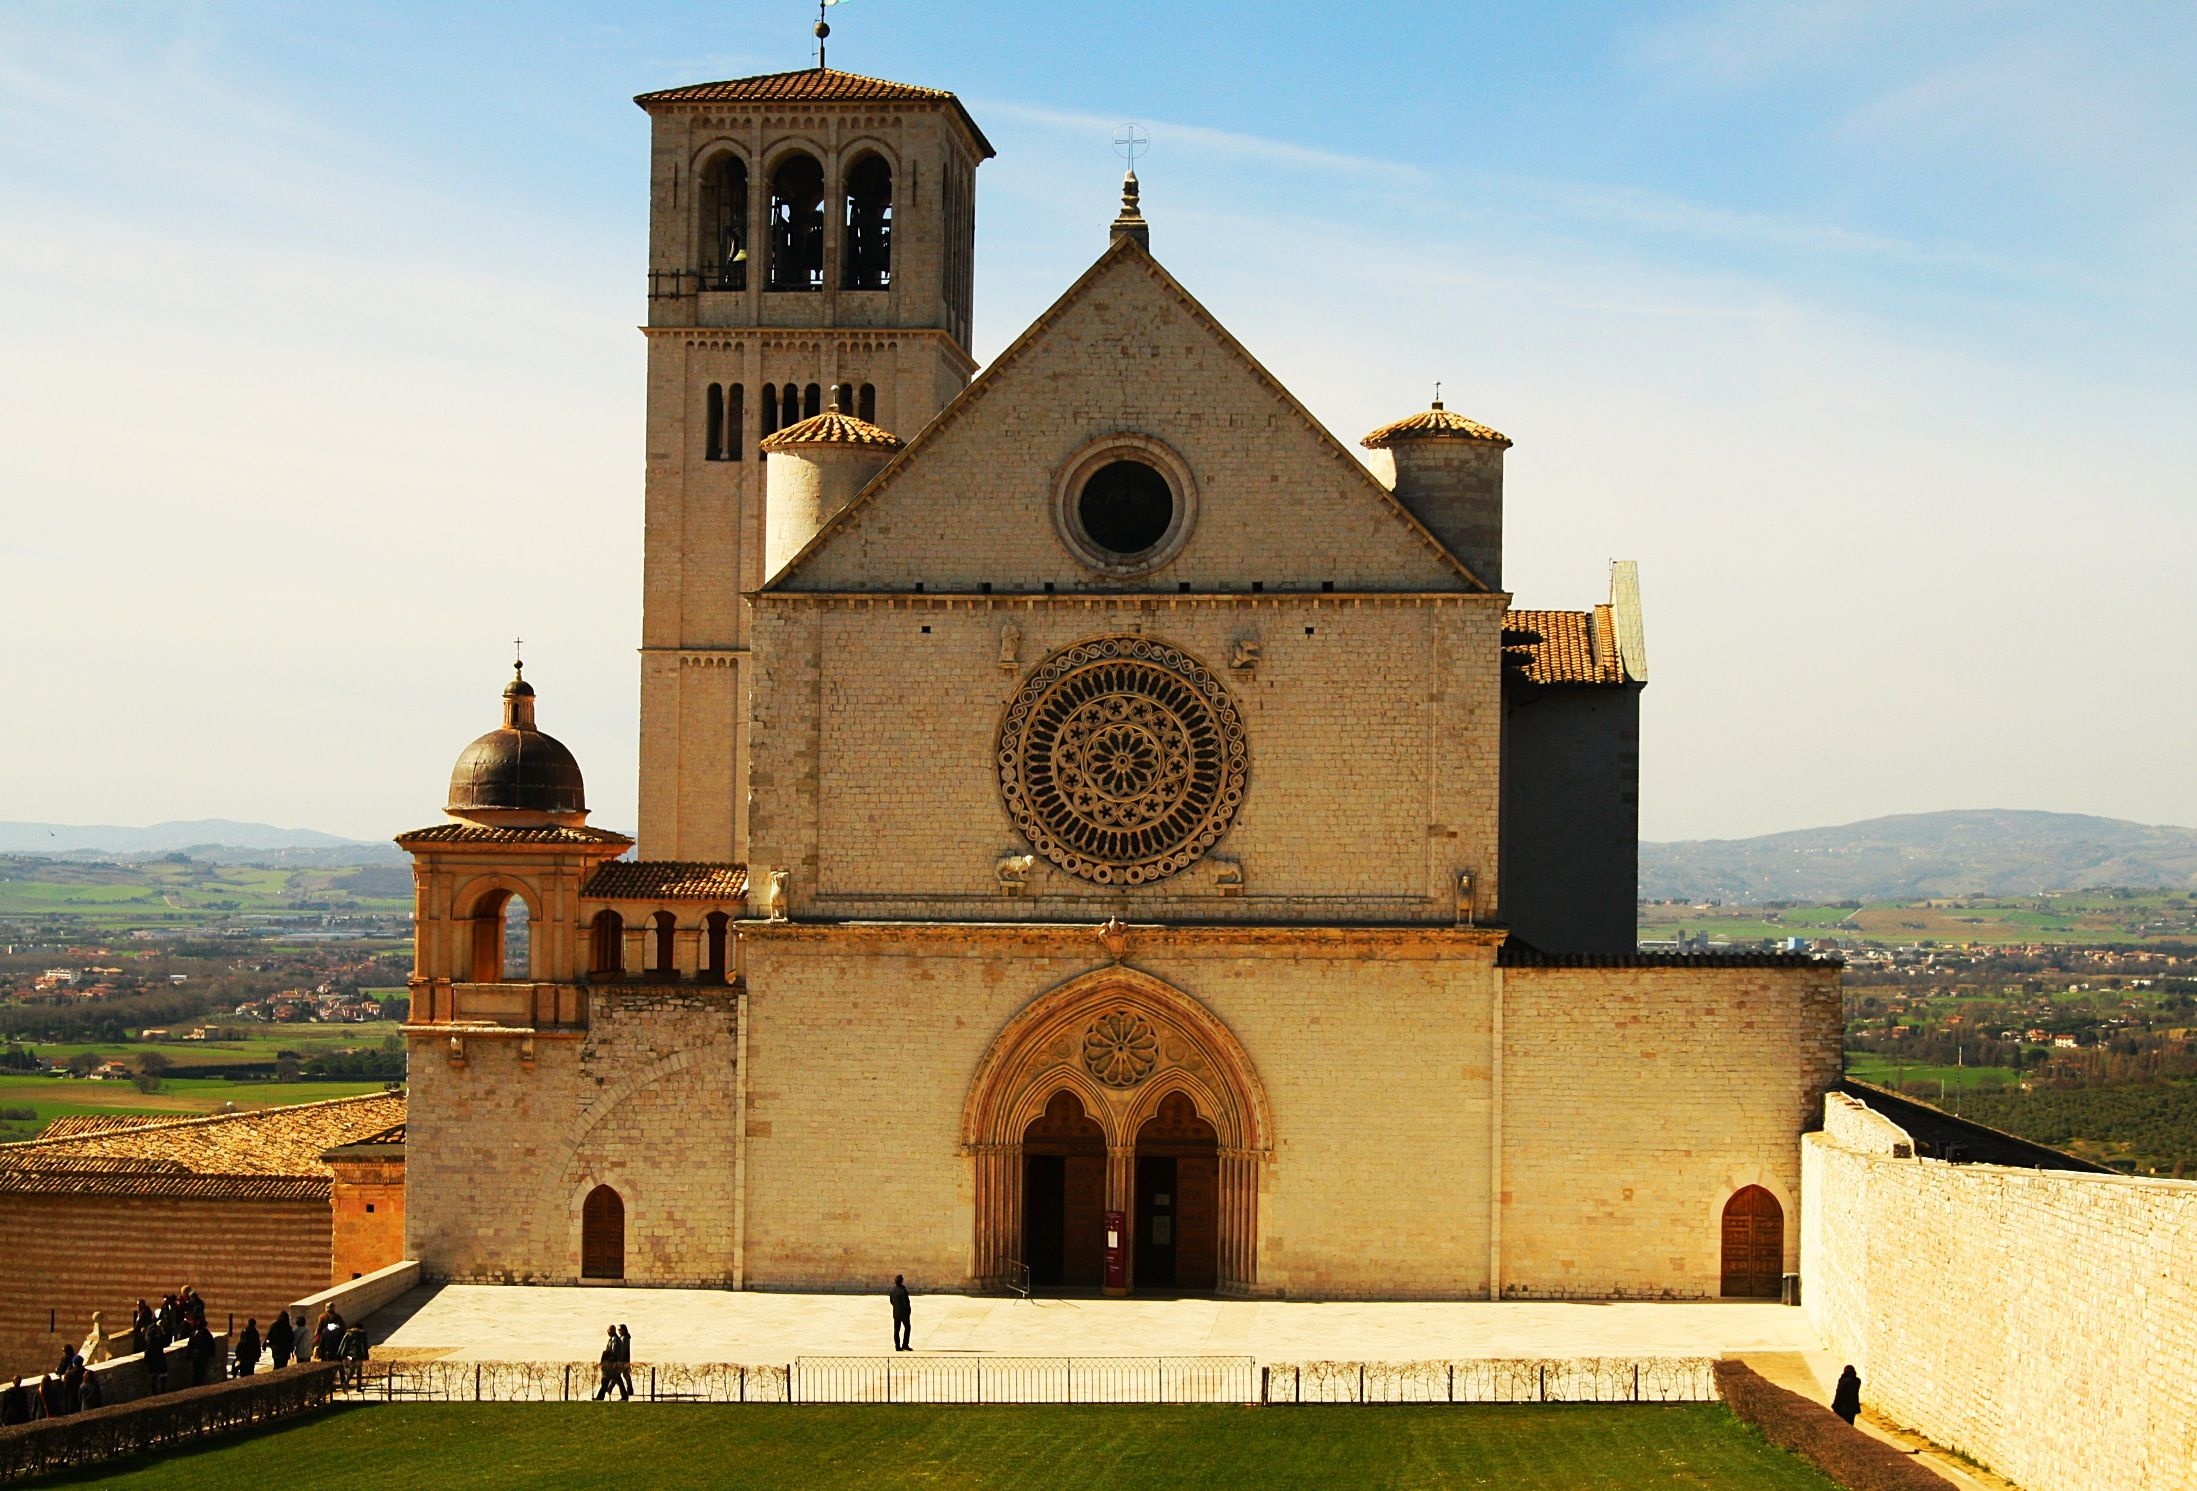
(1126,508)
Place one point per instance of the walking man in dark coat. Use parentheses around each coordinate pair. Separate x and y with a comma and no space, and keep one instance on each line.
(1846,1399)
(903,1319)
(280,1339)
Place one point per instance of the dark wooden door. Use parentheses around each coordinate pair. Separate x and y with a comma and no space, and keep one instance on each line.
(1044,1203)
(603,1235)
(1155,1223)
(1754,1244)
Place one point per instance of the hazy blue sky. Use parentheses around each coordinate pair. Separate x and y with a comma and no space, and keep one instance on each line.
(1866,328)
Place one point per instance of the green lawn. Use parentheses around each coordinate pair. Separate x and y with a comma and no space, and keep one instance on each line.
(1700,1447)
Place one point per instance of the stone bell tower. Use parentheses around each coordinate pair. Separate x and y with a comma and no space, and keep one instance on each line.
(811,247)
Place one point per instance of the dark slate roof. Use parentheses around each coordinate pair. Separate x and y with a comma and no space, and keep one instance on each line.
(1515,954)
(1940,1135)
(667,880)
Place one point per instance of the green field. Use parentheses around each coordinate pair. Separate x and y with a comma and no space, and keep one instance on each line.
(2089,917)
(170,893)
(1700,1447)
(51,1097)
(252,1044)
(1871,1066)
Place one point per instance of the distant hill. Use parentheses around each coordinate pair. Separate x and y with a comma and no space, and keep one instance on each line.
(211,840)
(1992,852)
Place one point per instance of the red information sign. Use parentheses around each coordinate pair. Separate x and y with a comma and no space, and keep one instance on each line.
(1117,1252)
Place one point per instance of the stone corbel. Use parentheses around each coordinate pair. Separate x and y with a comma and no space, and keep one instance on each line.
(526,1052)
(457,1050)
(1227,876)
(1243,656)
(1013,871)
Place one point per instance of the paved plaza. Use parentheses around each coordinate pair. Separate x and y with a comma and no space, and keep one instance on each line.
(519,1323)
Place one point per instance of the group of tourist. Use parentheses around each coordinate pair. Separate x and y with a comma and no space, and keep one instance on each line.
(180,1319)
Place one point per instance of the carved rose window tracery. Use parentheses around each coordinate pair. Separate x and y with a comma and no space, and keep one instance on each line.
(1122,760)
(1121,1048)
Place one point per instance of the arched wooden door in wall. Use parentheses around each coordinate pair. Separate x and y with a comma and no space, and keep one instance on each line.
(1754,1244)
(603,1235)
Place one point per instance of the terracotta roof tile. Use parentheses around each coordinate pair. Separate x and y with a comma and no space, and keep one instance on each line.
(1433,424)
(833,427)
(72,1125)
(163,1186)
(666,880)
(481,833)
(1563,647)
(812,85)
(284,1142)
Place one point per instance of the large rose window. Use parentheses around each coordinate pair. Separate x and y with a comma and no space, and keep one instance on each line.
(1122,760)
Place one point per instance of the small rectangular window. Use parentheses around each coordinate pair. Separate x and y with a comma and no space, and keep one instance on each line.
(369,1208)
(1327,585)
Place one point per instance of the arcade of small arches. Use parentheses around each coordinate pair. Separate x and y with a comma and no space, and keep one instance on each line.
(659,946)
(726,434)
(802,239)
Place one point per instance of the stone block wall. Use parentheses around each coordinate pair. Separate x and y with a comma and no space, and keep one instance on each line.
(1636,1101)
(62,1257)
(503,1149)
(1372,730)
(368,1216)
(2042,1322)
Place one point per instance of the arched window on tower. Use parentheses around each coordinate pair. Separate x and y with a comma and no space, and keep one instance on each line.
(766,413)
(608,954)
(865,404)
(812,401)
(726,412)
(663,956)
(843,397)
(789,406)
(502,948)
(868,252)
(716,948)
(797,224)
(722,239)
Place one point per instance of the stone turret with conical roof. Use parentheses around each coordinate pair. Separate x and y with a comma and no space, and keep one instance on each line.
(1449,471)
(814,469)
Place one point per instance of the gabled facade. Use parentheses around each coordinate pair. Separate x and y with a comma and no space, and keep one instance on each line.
(1163,859)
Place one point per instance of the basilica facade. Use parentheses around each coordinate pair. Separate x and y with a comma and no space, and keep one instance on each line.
(1098,831)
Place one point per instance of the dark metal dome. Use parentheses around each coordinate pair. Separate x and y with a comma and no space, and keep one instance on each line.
(517,768)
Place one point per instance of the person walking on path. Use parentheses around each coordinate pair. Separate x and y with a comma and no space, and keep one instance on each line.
(279,1341)
(91,1395)
(351,1351)
(903,1315)
(301,1341)
(625,1363)
(1846,1399)
(609,1361)
(15,1404)
(327,1335)
(156,1363)
(247,1348)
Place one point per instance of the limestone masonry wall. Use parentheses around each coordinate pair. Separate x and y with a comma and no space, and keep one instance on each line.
(71,1255)
(643,1103)
(2042,1322)
(1636,1101)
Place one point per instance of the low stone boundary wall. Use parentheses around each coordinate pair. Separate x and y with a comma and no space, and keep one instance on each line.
(362,1296)
(1588,1379)
(78,1440)
(2042,1322)
(919,1377)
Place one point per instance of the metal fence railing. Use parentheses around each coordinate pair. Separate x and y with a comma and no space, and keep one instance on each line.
(1590,1379)
(922,1377)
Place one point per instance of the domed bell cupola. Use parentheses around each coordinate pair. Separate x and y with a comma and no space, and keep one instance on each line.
(515,776)
(1449,471)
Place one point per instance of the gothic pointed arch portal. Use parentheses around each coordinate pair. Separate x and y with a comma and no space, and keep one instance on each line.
(1129,1049)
